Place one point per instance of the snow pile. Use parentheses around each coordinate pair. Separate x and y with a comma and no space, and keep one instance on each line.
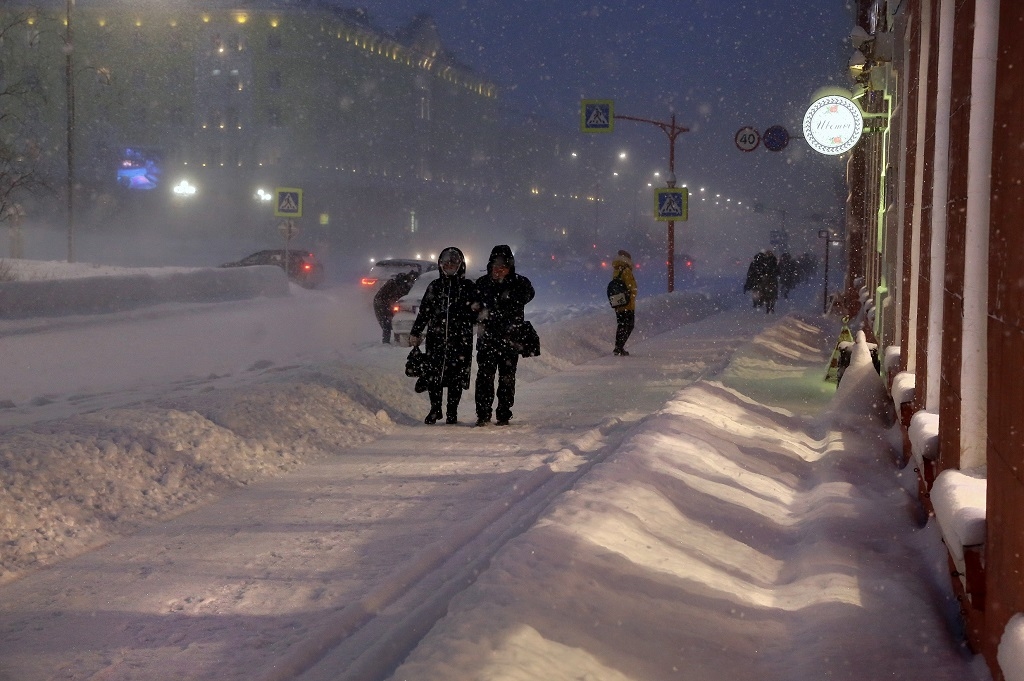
(725,536)
(46,288)
(69,485)
(861,392)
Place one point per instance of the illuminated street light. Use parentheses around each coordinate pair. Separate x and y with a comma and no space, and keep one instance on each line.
(263,195)
(183,188)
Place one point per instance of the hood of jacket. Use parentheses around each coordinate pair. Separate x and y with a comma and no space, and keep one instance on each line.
(462,267)
(505,252)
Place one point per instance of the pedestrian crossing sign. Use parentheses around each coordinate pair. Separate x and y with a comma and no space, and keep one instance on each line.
(288,202)
(597,115)
(671,203)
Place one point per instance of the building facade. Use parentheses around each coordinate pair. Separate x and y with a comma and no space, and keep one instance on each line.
(937,273)
(382,132)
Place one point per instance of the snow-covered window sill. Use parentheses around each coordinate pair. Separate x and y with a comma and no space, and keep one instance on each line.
(924,437)
(958,498)
(903,386)
(1011,649)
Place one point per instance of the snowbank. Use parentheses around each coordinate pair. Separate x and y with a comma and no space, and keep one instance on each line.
(87,290)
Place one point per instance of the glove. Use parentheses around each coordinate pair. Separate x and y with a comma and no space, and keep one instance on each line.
(414,341)
(484,314)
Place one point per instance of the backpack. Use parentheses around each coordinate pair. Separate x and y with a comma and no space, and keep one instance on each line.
(618,293)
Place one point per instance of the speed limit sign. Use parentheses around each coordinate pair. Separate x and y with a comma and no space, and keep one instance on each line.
(747,139)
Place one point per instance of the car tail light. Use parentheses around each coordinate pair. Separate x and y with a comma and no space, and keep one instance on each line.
(396,308)
(689,263)
(306,266)
(368,281)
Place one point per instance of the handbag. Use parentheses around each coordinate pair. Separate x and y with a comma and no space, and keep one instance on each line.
(415,363)
(529,341)
(618,293)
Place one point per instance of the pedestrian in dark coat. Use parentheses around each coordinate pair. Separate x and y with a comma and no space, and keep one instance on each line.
(789,275)
(763,280)
(447,314)
(504,294)
(385,299)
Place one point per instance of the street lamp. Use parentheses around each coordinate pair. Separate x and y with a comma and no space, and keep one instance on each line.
(827,236)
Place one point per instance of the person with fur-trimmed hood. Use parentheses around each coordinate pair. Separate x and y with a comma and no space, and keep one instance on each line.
(504,294)
(625,315)
(447,314)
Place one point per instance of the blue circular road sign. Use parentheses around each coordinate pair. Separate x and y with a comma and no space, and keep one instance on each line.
(775,138)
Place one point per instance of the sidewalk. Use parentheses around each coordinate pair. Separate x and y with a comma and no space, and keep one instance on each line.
(753,528)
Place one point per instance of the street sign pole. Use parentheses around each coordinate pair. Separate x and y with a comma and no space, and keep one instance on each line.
(598,115)
(672,131)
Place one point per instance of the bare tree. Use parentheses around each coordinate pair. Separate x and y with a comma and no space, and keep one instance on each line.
(20,95)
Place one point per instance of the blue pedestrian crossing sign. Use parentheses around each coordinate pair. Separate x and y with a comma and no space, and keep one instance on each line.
(671,203)
(597,115)
(287,202)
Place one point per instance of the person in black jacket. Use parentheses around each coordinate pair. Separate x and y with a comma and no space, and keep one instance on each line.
(504,295)
(447,314)
(385,299)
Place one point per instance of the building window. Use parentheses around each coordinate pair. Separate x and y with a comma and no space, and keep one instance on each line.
(273,41)
(274,117)
(424,108)
(274,80)
(33,37)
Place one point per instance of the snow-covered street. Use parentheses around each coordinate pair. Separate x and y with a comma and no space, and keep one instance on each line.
(694,511)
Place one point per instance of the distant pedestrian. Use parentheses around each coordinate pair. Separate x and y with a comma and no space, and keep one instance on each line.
(763,280)
(789,274)
(447,313)
(385,299)
(504,294)
(625,315)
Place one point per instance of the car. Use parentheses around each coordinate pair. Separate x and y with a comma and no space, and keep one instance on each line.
(383,270)
(303,267)
(684,269)
(408,306)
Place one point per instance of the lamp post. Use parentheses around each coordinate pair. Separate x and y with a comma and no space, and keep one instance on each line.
(827,236)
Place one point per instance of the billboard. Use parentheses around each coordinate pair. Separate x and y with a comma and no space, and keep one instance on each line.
(139,168)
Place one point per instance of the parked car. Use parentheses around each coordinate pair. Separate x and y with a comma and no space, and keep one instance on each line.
(383,270)
(408,306)
(303,267)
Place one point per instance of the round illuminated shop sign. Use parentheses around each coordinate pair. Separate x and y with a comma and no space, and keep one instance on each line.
(833,124)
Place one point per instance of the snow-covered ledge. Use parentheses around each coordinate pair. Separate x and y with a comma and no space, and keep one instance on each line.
(924,437)
(1011,649)
(958,497)
(903,385)
(891,358)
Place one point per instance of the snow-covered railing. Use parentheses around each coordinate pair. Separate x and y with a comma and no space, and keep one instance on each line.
(1011,649)
(958,498)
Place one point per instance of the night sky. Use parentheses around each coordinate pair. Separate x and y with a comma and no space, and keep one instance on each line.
(717,65)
